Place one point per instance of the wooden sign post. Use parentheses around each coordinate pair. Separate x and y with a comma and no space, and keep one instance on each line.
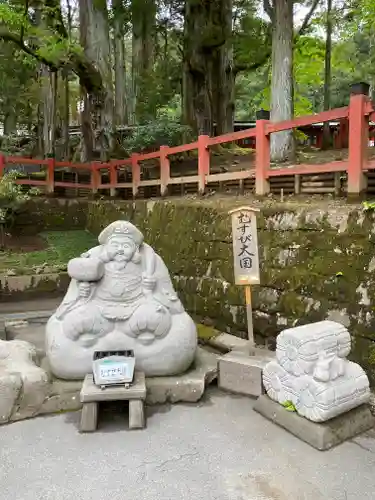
(246,256)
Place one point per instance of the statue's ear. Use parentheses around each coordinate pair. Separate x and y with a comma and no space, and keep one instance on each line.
(137,258)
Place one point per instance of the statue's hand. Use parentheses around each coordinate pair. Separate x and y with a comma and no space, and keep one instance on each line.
(84,289)
(148,282)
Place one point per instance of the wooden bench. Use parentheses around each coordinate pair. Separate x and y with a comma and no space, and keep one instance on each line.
(91,395)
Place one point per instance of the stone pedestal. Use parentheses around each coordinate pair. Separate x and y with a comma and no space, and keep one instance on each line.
(321,436)
(241,373)
(91,395)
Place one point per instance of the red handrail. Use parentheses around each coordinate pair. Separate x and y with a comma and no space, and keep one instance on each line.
(357,115)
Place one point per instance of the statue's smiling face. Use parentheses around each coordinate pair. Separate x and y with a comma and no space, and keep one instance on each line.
(120,248)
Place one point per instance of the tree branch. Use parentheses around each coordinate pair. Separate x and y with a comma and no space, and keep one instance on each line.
(7,36)
(90,78)
(254,66)
(306,22)
(268,7)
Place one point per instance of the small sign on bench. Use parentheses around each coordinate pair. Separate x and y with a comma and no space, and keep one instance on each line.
(113,367)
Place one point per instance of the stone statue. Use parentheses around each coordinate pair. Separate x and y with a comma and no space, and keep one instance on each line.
(120,297)
(312,372)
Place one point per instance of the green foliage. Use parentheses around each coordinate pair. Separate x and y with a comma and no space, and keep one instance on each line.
(252,93)
(13,16)
(18,86)
(57,50)
(12,195)
(368,206)
(155,134)
(289,406)
(308,73)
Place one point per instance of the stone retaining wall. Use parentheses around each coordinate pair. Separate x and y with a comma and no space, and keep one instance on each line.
(33,286)
(315,264)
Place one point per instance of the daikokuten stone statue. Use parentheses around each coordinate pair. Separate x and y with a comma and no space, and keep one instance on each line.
(120,297)
(312,372)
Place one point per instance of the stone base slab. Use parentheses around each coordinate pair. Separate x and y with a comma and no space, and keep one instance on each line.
(32,390)
(321,436)
(241,373)
(188,387)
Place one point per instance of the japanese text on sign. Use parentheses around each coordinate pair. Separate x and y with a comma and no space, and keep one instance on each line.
(245,246)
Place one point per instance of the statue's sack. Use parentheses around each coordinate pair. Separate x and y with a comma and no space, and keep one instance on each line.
(299,349)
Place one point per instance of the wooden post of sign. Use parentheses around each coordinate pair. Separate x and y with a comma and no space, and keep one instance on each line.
(246,256)
(249,314)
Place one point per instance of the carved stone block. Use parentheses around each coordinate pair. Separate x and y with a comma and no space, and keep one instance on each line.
(312,372)
(242,374)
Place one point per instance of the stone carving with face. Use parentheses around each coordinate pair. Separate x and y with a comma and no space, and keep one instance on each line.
(121,297)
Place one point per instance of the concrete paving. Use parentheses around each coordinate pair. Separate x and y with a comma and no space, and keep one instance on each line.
(217,450)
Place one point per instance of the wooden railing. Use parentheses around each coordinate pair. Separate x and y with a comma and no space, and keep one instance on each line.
(354,120)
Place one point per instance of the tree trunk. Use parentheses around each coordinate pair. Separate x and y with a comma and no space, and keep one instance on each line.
(327,74)
(10,120)
(282,108)
(144,26)
(121,112)
(188,117)
(223,76)
(94,29)
(208,69)
(66,121)
(49,96)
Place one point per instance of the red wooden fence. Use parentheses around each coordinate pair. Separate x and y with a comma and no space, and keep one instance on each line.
(358,114)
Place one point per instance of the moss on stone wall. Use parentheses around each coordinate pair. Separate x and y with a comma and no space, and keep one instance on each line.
(315,264)
(41,214)
(32,286)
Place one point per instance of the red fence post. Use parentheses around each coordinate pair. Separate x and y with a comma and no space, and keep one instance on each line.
(164,170)
(203,162)
(2,165)
(262,158)
(51,175)
(342,136)
(112,178)
(358,143)
(136,173)
(95,178)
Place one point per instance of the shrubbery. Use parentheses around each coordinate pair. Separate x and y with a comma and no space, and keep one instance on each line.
(12,196)
(151,136)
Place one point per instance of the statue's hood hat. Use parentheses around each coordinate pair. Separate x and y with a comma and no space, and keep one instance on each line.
(121,227)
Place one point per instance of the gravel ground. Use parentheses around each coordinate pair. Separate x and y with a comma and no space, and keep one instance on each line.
(217,450)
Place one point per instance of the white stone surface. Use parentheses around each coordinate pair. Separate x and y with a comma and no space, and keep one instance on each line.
(23,385)
(120,297)
(242,374)
(312,371)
